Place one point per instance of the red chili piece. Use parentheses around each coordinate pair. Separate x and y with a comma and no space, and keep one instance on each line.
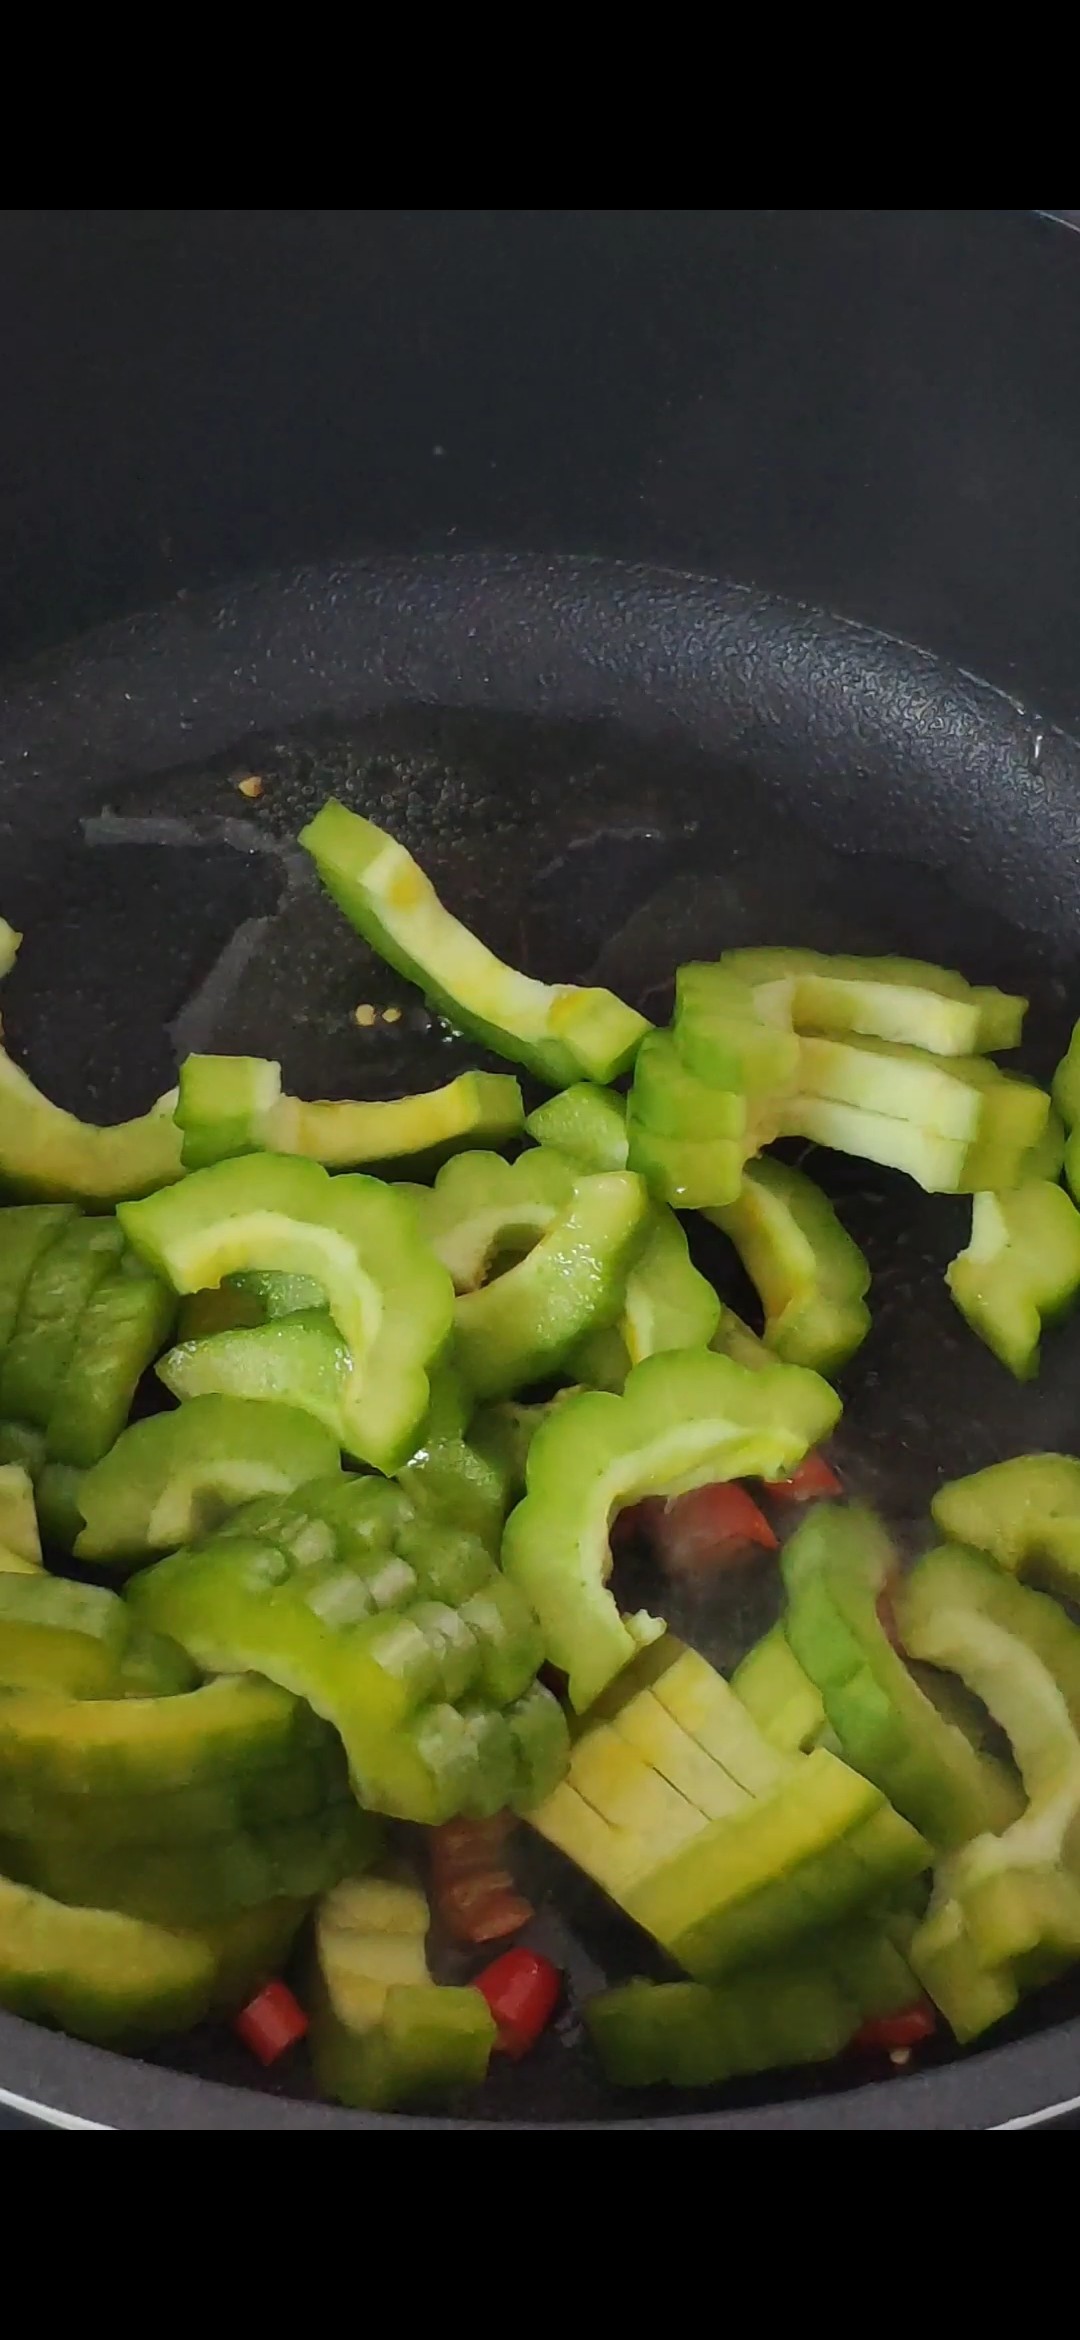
(271,2023)
(522,1990)
(814,1480)
(888,2032)
(711,1528)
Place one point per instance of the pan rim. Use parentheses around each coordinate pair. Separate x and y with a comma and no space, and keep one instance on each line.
(67,2083)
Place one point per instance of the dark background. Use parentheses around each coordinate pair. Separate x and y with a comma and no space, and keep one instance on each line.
(879,410)
(875,410)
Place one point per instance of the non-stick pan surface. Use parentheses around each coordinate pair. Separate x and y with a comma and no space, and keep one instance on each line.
(608,770)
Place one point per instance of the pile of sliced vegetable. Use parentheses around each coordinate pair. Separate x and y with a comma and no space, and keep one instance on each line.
(312,1647)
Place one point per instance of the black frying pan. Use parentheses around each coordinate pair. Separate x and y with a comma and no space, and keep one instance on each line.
(608,769)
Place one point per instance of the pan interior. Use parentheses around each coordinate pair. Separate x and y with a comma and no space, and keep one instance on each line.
(174,913)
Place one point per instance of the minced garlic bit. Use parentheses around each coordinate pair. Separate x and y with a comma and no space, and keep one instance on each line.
(252,786)
(900,2057)
(391,1015)
(365,1016)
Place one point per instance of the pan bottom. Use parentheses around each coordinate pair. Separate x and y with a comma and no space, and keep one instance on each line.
(166,910)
